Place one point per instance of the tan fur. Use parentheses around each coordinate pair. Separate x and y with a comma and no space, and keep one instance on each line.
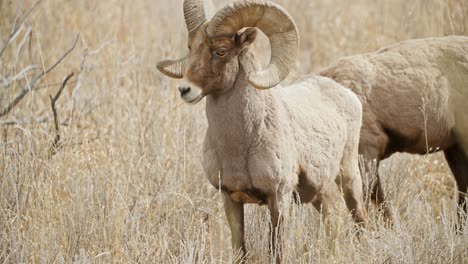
(262,146)
(398,86)
(256,141)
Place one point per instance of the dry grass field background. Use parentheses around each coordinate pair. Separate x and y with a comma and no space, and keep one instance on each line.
(126,183)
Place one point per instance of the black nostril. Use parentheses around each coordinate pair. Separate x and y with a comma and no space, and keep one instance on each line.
(184,90)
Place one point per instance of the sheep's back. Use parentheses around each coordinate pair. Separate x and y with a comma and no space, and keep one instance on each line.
(402,84)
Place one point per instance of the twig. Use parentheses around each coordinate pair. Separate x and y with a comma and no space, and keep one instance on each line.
(29,87)
(10,122)
(23,122)
(87,53)
(22,74)
(40,87)
(23,41)
(53,100)
(15,29)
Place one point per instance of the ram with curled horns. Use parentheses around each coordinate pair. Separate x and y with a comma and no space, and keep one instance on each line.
(264,143)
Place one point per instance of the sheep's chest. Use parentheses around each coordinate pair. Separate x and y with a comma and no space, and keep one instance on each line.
(245,175)
(226,167)
(233,179)
(241,152)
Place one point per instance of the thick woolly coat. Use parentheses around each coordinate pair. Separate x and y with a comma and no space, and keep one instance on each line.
(298,137)
(414,92)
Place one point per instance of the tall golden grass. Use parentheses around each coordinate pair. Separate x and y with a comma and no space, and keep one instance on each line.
(126,185)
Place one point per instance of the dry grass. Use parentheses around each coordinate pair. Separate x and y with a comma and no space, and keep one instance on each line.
(127,185)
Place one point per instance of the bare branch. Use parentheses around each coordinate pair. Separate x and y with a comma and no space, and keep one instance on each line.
(10,122)
(16,28)
(22,74)
(79,78)
(39,87)
(64,83)
(20,46)
(17,15)
(64,55)
(10,39)
(23,122)
(29,87)
(53,100)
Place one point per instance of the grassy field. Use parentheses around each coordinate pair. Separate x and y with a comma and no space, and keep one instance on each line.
(126,184)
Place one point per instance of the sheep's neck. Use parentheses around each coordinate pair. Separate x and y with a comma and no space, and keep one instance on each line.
(234,116)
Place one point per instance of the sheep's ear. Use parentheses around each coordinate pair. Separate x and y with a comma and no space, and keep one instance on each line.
(245,37)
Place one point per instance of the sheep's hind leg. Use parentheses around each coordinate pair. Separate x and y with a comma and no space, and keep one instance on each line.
(326,202)
(278,204)
(458,163)
(372,144)
(235,216)
(350,178)
(351,184)
(377,195)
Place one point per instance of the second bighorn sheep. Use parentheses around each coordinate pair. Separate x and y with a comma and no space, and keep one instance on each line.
(263,145)
(414,95)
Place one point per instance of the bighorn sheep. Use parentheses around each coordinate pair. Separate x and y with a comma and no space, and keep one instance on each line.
(263,145)
(414,96)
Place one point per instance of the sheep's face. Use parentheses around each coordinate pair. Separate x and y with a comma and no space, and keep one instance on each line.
(213,63)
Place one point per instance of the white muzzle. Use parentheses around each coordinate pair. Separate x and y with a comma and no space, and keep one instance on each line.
(190,92)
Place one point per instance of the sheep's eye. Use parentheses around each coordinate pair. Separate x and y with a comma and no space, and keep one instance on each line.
(221,52)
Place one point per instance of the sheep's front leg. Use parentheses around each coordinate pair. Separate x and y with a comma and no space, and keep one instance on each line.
(279,206)
(235,216)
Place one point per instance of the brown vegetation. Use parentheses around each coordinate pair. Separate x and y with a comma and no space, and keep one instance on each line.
(127,186)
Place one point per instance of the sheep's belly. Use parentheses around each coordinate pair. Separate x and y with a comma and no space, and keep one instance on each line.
(245,197)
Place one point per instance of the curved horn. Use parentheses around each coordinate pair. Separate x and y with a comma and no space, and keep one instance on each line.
(196,12)
(275,22)
(173,68)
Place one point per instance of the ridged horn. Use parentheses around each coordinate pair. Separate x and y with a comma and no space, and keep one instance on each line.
(275,22)
(173,68)
(196,12)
